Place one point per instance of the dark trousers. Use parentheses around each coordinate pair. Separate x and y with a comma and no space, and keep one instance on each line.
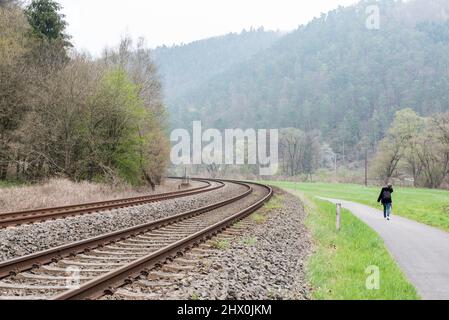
(387,210)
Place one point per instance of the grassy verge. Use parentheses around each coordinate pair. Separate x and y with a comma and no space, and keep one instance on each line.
(427,206)
(58,192)
(338,268)
(8,184)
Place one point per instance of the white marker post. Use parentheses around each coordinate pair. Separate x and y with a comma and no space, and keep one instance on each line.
(338,216)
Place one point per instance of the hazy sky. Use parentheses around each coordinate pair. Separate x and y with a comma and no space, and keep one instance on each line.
(95,24)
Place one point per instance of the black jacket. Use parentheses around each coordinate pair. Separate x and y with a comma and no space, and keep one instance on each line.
(381,196)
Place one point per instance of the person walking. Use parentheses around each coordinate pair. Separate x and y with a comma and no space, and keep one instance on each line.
(386,199)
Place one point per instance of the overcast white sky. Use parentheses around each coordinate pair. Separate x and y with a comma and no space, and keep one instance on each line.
(95,24)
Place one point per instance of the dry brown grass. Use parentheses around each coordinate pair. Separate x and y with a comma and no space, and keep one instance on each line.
(60,192)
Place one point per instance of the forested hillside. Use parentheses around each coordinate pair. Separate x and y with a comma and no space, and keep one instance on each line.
(186,68)
(64,114)
(333,76)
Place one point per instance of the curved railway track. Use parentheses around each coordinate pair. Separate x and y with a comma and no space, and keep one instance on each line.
(94,267)
(39,215)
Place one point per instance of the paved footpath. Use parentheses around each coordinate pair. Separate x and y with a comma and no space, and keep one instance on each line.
(421,251)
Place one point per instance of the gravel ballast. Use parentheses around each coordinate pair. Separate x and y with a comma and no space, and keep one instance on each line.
(266,260)
(27,239)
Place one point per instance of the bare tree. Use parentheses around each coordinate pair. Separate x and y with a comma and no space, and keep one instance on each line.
(387,159)
(400,144)
(434,159)
(300,152)
(143,73)
(13,84)
(291,150)
(433,150)
(9,3)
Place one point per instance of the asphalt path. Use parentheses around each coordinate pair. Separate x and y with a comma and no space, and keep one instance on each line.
(421,251)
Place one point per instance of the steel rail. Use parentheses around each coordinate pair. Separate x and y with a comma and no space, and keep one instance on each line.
(37,215)
(21,264)
(109,282)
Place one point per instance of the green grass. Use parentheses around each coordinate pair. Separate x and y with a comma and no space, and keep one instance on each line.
(8,184)
(221,244)
(195,297)
(277,202)
(259,218)
(427,206)
(337,269)
(250,241)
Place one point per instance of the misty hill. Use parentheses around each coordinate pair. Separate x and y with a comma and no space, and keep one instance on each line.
(333,75)
(185,68)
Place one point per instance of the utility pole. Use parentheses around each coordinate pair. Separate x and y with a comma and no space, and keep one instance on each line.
(366,167)
(186,180)
(338,217)
(365,147)
(335,160)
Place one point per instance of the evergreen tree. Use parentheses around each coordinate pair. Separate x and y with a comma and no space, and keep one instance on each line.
(46,20)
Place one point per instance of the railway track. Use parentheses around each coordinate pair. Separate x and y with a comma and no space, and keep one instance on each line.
(95,267)
(39,215)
